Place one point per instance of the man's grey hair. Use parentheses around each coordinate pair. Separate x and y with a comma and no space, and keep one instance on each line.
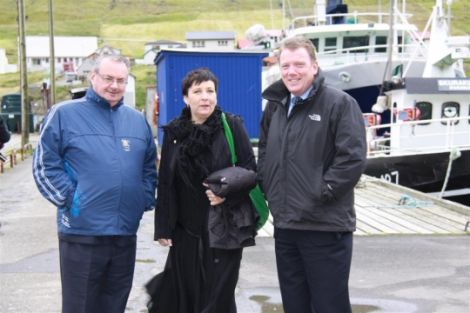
(293,43)
(113,57)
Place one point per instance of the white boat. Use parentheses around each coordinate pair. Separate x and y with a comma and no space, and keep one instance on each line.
(419,134)
(354,52)
(426,145)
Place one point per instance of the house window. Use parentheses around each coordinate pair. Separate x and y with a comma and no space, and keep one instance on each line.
(425,110)
(450,110)
(222,43)
(198,44)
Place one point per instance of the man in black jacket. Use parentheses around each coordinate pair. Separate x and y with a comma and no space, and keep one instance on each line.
(312,152)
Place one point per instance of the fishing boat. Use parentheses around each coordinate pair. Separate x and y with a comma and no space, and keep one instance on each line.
(426,144)
(353,48)
(411,87)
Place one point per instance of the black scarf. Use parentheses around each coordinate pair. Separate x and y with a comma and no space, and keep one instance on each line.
(194,157)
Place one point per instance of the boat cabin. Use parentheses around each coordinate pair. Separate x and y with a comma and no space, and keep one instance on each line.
(427,114)
(363,35)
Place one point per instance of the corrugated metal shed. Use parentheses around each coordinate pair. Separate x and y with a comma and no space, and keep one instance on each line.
(239,75)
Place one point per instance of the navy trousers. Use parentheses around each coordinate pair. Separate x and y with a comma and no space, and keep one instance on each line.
(313,269)
(96,272)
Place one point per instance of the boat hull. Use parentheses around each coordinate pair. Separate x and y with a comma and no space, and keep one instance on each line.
(424,172)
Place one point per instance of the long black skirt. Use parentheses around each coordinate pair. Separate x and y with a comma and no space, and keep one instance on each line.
(196,278)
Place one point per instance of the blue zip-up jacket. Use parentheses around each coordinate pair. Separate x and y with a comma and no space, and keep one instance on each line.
(97,164)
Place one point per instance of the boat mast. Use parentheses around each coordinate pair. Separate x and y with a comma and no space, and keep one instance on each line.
(449,15)
(388,67)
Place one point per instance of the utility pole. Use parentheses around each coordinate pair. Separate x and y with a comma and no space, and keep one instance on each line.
(25,105)
(52,55)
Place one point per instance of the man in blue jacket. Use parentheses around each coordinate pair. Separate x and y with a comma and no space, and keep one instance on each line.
(96,161)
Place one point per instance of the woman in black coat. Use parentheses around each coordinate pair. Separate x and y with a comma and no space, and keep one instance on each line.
(200,277)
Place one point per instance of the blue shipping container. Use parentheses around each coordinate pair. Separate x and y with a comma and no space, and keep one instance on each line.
(239,75)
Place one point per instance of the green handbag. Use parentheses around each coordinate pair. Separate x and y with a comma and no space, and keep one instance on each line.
(256,195)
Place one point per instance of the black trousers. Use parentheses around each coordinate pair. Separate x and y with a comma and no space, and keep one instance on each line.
(313,269)
(96,272)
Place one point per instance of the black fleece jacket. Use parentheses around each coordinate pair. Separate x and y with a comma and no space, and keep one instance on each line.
(310,161)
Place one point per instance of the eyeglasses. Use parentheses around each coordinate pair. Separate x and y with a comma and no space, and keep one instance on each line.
(110,80)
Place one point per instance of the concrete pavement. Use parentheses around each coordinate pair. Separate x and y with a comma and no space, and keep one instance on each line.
(403,273)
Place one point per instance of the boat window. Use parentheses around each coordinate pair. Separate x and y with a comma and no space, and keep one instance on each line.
(381,41)
(425,110)
(399,42)
(356,41)
(330,43)
(315,43)
(450,110)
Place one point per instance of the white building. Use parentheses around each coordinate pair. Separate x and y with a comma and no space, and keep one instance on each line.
(69,51)
(211,40)
(87,64)
(152,48)
(4,66)
(129,94)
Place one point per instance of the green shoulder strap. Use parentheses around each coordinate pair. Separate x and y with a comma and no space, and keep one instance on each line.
(229,136)
(256,195)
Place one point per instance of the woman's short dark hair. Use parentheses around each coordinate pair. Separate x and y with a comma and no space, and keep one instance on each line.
(197,76)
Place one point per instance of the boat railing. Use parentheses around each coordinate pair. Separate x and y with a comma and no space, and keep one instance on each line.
(404,137)
(370,51)
(348,18)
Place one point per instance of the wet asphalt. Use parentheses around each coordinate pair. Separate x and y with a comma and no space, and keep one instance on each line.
(390,274)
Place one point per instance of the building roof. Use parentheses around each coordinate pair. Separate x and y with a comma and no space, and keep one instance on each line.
(210,35)
(163,42)
(70,46)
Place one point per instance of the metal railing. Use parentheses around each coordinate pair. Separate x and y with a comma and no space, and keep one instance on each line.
(11,156)
(351,18)
(410,137)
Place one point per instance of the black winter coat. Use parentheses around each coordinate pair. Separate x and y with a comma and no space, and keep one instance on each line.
(230,225)
(166,216)
(310,161)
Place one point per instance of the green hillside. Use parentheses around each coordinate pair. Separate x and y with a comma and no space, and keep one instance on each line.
(128,24)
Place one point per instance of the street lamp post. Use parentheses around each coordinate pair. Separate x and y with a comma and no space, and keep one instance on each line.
(25,106)
(52,54)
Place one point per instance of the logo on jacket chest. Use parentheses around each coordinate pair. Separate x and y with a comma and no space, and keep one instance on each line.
(315,117)
(126,144)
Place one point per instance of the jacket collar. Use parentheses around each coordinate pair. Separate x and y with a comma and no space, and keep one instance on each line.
(93,97)
(278,92)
